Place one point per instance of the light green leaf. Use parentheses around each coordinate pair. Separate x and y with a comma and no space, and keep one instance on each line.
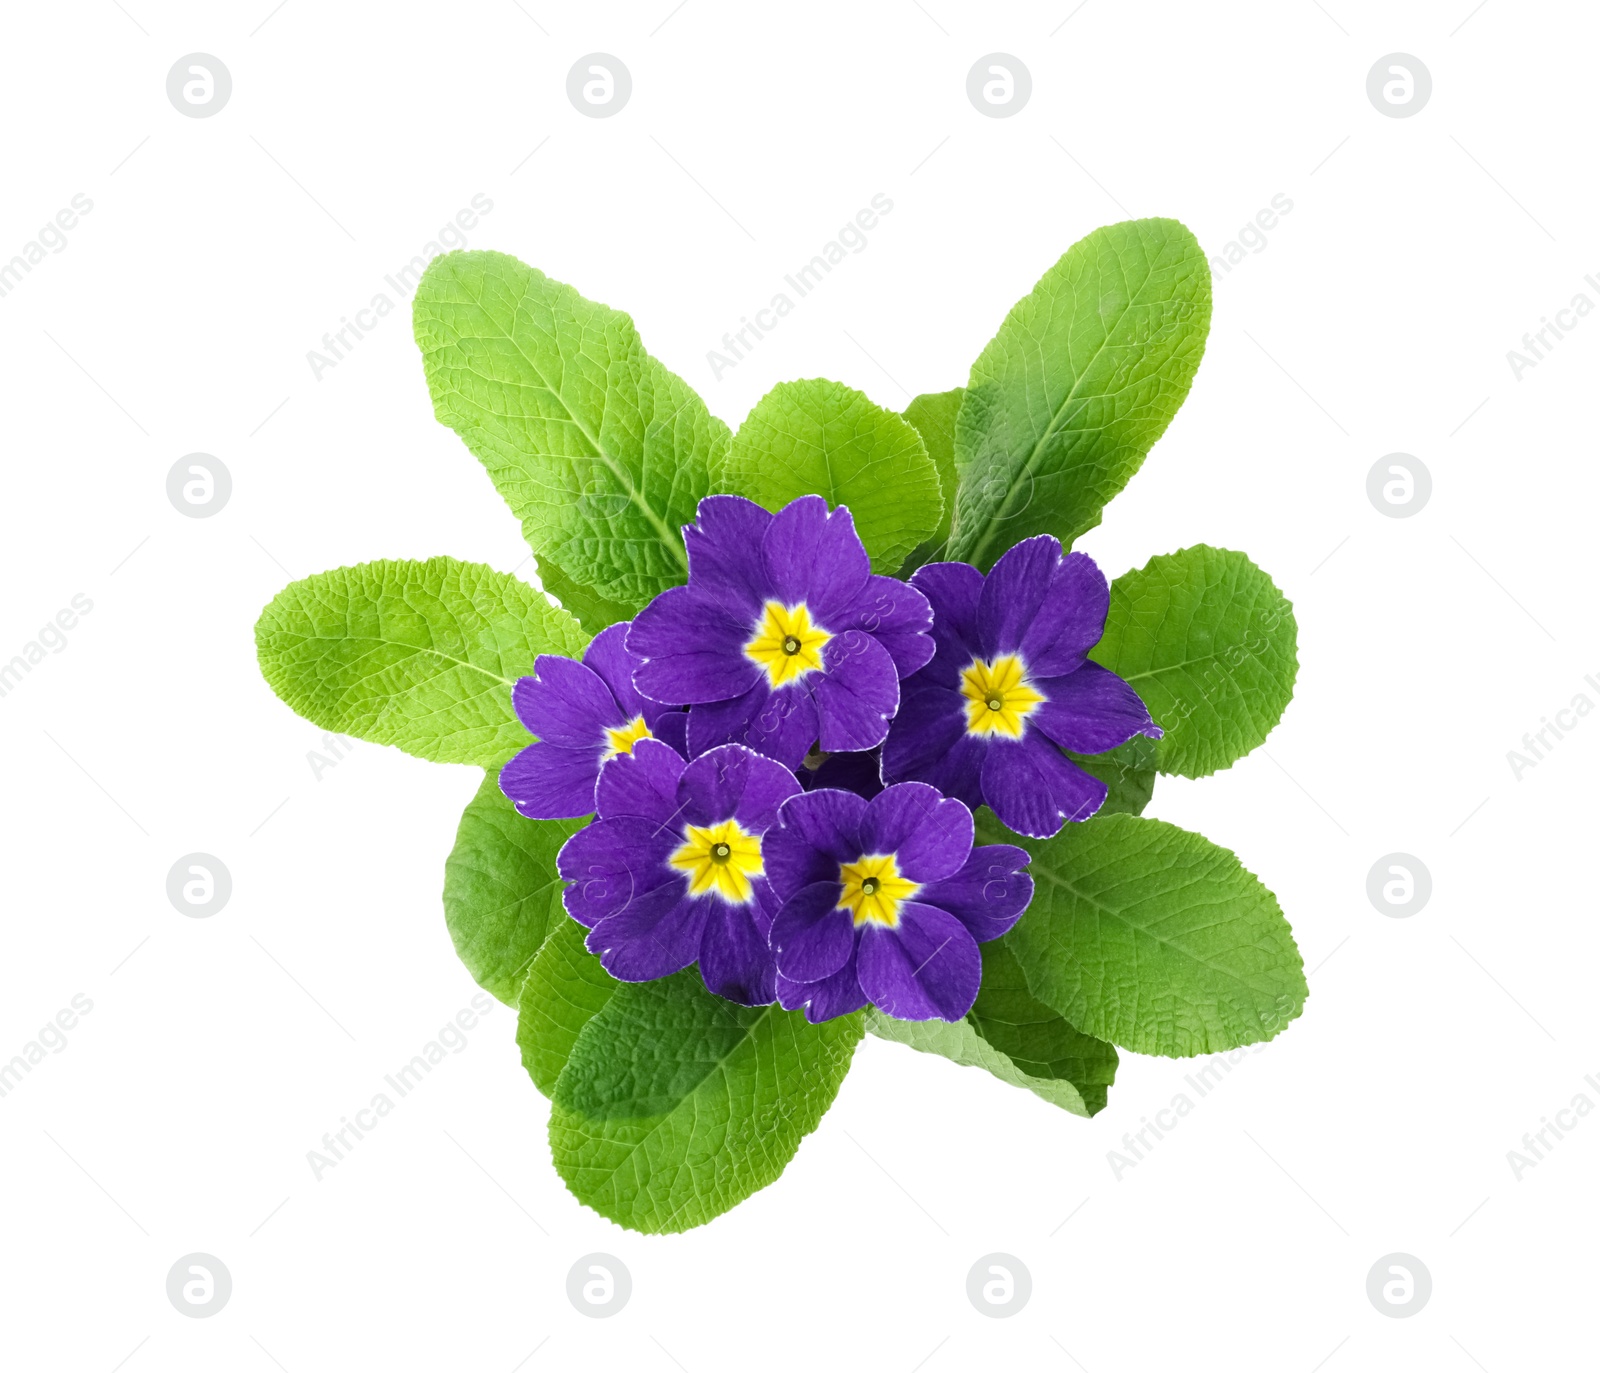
(565,989)
(502,894)
(1129,771)
(676,1105)
(419,655)
(933,415)
(1153,938)
(823,438)
(1084,376)
(598,449)
(1017,1038)
(1208,642)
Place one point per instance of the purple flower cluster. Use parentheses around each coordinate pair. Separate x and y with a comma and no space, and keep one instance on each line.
(720,837)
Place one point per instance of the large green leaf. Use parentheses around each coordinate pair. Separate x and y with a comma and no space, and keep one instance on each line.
(1153,938)
(1208,642)
(419,655)
(823,438)
(502,895)
(676,1105)
(1017,1038)
(565,989)
(933,415)
(598,449)
(1084,376)
(1129,772)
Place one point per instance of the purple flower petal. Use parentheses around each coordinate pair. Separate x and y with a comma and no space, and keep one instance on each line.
(643,783)
(817,558)
(925,968)
(548,782)
(857,772)
(654,935)
(781,724)
(611,863)
(988,894)
(1070,620)
(692,647)
(813,936)
(724,545)
(732,782)
(953,590)
(899,617)
(764,907)
(815,833)
(609,660)
(1013,592)
(672,728)
(928,742)
(566,703)
(833,996)
(735,961)
(857,693)
(1091,710)
(929,835)
(1033,788)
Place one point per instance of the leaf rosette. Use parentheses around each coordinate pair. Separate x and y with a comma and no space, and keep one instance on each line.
(819,727)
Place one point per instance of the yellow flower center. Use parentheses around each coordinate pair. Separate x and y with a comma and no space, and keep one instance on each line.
(998,696)
(623,739)
(721,859)
(786,643)
(874,889)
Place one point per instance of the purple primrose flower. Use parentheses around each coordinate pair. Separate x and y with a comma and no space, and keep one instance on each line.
(671,872)
(1010,686)
(886,901)
(582,714)
(783,635)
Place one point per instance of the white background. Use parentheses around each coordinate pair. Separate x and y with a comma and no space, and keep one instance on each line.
(1376,319)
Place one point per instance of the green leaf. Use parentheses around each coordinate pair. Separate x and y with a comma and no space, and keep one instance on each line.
(1017,1038)
(676,1105)
(823,438)
(1084,376)
(598,449)
(1129,771)
(933,415)
(1153,938)
(1208,642)
(502,894)
(565,989)
(1036,1039)
(592,611)
(419,655)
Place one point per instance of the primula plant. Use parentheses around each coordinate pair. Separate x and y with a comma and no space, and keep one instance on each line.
(819,728)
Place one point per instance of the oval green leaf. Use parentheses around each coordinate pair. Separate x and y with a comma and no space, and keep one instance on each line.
(1208,642)
(824,438)
(421,655)
(676,1105)
(1083,377)
(598,449)
(1154,938)
(502,894)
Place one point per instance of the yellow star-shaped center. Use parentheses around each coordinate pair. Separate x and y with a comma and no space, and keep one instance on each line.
(874,889)
(998,696)
(720,859)
(786,643)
